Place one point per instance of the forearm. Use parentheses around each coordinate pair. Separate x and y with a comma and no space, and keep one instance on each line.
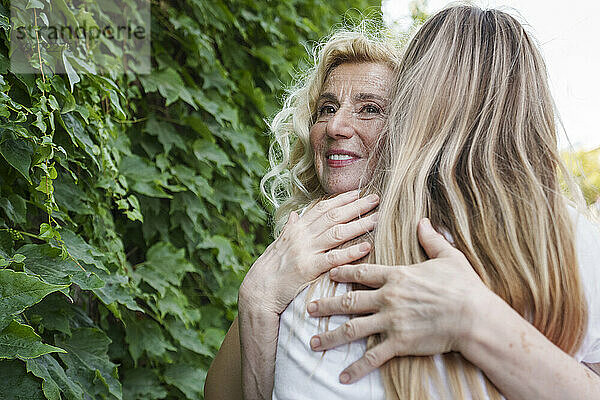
(258,337)
(522,362)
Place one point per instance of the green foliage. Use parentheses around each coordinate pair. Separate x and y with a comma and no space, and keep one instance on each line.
(129,208)
(585,166)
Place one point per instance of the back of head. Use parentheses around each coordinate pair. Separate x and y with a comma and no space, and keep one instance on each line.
(471,144)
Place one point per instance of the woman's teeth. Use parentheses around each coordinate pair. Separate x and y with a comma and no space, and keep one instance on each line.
(339,157)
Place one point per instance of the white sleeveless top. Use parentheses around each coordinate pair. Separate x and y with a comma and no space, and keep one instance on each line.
(301,373)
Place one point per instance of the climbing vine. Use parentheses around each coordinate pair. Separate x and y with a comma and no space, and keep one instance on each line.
(129,202)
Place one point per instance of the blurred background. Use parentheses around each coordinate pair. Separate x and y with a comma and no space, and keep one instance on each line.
(129,202)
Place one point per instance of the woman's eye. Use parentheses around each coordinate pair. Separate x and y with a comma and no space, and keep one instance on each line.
(371,109)
(326,109)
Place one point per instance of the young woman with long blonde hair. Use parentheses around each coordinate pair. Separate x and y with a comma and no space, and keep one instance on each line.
(508,302)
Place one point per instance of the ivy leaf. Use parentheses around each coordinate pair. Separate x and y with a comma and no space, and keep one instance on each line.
(66,11)
(45,186)
(17,384)
(15,208)
(53,314)
(144,178)
(18,154)
(79,136)
(88,363)
(241,141)
(19,291)
(213,337)
(116,103)
(165,266)
(196,183)
(34,4)
(228,287)
(21,341)
(116,289)
(81,251)
(71,197)
(167,135)
(207,151)
(188,338)
(146,336)
(4,21)
(174,302)
(71,73)
(45,262)
(186,377)
(170,86)
(142,384)
(55,380)
(225,254)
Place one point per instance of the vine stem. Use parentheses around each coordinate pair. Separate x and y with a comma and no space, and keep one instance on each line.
(37,37)
(131,121)
(30,235)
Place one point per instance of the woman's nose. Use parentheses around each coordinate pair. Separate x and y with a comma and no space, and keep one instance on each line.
(340,126)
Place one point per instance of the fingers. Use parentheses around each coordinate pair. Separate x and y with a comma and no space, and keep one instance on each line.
(350,331)
(370,361)
(434,244)
(323,206)
(341,233)
(353,302)
(340,209)
(372,275)
(349,211)
(336,257)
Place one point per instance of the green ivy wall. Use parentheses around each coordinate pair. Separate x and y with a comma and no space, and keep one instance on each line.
(129,204)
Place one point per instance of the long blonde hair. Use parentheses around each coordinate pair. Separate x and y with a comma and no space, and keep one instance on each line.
(471,144)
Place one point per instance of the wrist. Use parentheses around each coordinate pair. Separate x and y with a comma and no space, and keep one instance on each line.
(477,312)
(254,302)
(257,324)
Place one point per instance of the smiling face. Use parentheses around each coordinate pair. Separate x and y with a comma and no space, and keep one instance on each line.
(350,116)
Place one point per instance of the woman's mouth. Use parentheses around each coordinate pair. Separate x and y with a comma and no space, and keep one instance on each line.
(340,158)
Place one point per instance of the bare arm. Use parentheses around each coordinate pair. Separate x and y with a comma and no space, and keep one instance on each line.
(258,335)
(521,361)
(256,351)
(442,306)
(224,378)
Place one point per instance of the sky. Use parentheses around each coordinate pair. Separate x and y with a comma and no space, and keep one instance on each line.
(568,33)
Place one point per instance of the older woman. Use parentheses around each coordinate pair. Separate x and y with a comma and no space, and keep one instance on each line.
(511,307)
(333,119)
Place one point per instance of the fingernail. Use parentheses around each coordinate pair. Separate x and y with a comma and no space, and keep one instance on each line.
(373,198)
(364,247)
(312,307)
(375,217)
(332,272)
(315,342)
(345,377)
(426,223)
